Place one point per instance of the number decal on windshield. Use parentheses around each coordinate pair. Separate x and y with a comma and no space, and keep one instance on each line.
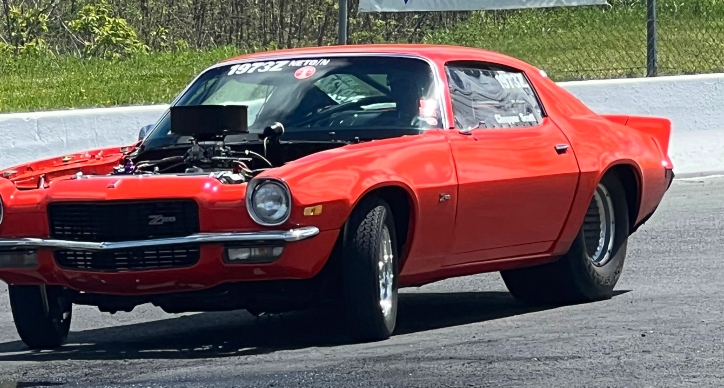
(263,67)
(239,69)
(278,65)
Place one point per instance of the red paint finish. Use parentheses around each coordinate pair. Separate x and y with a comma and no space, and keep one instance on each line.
(513,200)
(601,144)
(99,161)
(475,267)
(300,260)
(514,190)
(420,166)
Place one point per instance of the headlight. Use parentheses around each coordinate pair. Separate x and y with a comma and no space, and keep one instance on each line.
(2,210)
(268,202)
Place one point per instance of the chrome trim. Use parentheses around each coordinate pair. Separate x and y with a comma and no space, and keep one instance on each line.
(199,238)
(386,279)
(562,148)
(606,227)
(249,200)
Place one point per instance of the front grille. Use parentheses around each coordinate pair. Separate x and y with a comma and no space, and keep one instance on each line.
(122,220)
(147,258)
(115,221)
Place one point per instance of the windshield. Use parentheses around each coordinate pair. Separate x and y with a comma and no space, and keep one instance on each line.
(317,98)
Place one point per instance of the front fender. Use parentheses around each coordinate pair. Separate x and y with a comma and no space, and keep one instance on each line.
(338,179)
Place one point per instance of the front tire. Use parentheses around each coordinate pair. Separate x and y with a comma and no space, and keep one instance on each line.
(369,272)
(42,315)
(591,268)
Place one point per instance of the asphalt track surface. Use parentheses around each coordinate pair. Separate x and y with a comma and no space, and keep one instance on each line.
(662,329)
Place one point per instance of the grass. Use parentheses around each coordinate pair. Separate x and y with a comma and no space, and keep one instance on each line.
(569,43)
(68,82)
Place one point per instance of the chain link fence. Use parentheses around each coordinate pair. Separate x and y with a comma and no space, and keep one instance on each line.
(578,43)
(569,43)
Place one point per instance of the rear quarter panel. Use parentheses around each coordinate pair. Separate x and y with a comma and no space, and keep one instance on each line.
(600,143)
(338,179)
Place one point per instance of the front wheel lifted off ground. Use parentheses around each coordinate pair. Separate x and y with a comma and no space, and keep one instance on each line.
(369,271)
(42,314)
(593,264)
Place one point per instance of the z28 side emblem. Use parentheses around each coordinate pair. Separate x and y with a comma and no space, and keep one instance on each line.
(160,219)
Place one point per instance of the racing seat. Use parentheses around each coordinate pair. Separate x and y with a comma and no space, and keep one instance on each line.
(406,93)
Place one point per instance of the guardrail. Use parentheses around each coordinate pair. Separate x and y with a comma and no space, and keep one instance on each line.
(693,103)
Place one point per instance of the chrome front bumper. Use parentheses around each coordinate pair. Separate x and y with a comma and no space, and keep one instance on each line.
(200,238)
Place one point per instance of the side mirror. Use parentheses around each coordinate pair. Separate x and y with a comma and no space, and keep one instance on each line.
(144,131)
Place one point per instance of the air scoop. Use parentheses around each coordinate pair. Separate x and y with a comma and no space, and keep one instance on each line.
(209,122)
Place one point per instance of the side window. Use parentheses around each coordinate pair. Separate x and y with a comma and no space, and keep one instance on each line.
(489,97)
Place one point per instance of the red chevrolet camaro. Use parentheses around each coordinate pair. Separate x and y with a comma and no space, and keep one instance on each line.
(333,176)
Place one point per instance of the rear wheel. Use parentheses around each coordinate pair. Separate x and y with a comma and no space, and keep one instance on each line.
(593,265)
(369,272)
(42,314)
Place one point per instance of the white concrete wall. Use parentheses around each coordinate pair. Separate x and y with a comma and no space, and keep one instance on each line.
(29,136)
(692,103)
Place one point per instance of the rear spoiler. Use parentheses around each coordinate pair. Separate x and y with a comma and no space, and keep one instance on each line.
(657,127)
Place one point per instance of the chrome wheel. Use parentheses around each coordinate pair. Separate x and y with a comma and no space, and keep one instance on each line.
(369,271)
(599,227)
(386,277)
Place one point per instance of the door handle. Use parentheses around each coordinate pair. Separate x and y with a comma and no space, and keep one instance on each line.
(562,148)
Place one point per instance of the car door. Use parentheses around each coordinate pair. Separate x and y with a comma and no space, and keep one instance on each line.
(516,171)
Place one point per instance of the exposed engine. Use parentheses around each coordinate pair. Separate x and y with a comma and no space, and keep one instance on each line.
(231,164)
(208,151)
(208,154)
(201,158)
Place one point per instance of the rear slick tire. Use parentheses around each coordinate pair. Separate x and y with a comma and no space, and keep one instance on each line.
(369,272)
(591,268)
(42,315)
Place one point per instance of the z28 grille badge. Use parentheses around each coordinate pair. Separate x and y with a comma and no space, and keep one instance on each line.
(160,219)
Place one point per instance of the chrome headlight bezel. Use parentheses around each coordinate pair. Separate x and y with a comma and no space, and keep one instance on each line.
(253,187)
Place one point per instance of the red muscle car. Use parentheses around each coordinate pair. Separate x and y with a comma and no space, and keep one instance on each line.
(334,176)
